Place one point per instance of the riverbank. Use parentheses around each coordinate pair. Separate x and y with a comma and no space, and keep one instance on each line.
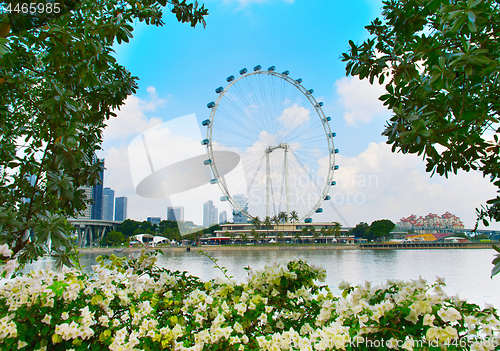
(374,246)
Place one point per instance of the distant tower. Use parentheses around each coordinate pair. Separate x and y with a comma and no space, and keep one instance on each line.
(210,214)
(87,194)
(108,204)
(121,208)
(175,213)
(154,220)
(97,192)
(242,201)
(222,217)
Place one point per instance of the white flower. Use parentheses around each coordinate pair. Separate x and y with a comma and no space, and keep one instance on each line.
(429,320)
(21,344)
(64,316)
(46,319)
(449,315)
(5,251)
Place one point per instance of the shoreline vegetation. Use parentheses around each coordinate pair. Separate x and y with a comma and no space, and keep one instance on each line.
(378,246)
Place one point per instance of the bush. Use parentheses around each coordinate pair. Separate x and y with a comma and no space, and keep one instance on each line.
(131,304)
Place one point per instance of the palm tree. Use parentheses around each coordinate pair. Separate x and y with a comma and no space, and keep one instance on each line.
(304,231)
(276,221)
(296,235)
(323,232)
(336,229)
(255,235)
(244,237)
(256,222)
(283,217)
(268,223)
(294,216)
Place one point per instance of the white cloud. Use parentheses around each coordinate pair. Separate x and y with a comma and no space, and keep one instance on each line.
(360,100)
(294,116)
(131,119)
(379,184)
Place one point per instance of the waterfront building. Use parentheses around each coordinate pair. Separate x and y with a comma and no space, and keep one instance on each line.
(121,208)
(175,213)
(292,233)
(242,201)
(431,223)
(154,220)
(222,217)
(108,204)
(210,214)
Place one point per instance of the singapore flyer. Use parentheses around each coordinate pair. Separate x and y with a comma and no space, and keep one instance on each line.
(284,141)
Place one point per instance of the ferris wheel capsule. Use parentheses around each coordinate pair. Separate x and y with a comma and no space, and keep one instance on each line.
(319,104)
(211,104)
(299,80)
(219,90)
(257,68)
(332,135)
(224,198)
(287,72)
(336,151)
(230,79)
(205,123)
(327,119)
(336,167)
(272,68)
(207,162)
(214,181)
(205,142)
(319,210)
(327,197)
(243,71)
(333,183)
(308,220)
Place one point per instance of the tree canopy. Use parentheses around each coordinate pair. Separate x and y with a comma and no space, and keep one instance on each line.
(381,228)
(59,83)
(441,60)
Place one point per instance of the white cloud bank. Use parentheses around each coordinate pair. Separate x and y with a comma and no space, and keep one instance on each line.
(379,184)
(360,100)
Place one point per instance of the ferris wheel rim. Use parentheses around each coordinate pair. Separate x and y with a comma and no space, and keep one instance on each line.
(319,111)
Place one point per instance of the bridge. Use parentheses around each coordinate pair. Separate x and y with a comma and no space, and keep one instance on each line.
(91,231)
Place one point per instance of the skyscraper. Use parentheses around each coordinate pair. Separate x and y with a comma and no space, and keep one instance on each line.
(97,193)
(210,214)
(242,201)
(175,213)
(154,220)
(121,208)
(222,217)
(108,204)
(87,193)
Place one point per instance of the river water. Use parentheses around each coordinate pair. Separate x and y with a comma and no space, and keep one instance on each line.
(466,271)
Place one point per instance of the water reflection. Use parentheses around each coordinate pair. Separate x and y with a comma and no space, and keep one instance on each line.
(466,271)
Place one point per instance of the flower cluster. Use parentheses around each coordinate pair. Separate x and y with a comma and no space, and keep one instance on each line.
(131,304)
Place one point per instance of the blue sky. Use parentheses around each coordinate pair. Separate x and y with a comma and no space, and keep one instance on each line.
(179,67)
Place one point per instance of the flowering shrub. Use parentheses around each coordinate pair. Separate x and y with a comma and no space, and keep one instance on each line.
(131,304)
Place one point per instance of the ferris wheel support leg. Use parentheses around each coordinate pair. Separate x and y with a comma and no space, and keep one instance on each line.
(287,199)
(268,183)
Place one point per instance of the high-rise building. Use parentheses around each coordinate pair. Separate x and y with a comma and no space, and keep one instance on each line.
(242,201)
(108,204)
(175,213)
(210,214)
(121,208)
(97,192)
(87,194)
(154,220)
(222,217)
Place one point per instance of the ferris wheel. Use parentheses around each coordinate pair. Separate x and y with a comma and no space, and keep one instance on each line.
(284,141)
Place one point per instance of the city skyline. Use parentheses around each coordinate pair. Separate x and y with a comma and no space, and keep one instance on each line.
(371,183)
